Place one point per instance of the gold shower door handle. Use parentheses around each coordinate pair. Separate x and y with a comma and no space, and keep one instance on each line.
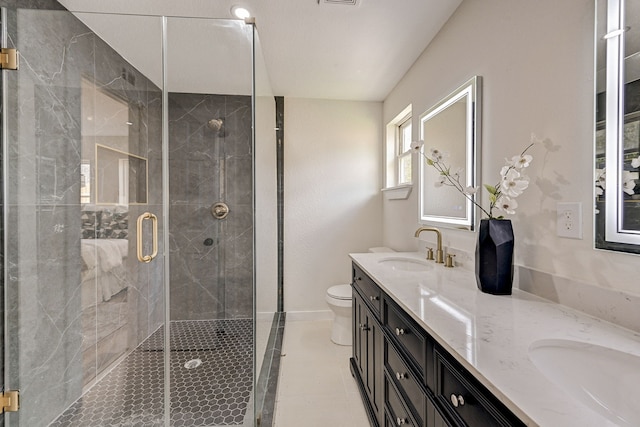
(154,225)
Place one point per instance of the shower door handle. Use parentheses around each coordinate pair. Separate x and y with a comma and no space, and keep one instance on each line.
(154,228)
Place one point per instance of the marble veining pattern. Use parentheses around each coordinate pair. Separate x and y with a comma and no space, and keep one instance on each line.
(490,335)
(211,279)
(45,151)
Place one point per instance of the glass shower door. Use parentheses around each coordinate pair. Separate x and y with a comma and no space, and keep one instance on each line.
(83,198)
(131,142)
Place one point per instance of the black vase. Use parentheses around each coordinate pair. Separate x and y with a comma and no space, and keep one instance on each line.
(494,257)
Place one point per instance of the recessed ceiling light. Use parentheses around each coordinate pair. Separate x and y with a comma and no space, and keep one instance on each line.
(240,12)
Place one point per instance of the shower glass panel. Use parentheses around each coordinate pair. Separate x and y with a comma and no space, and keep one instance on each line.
(137,153)
(210,116)
(268,324)
(82,159)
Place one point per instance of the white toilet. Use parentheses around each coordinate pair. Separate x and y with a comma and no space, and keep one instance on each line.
(339,299)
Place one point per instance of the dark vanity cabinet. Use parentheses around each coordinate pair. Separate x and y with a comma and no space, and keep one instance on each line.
(405,377)
(367,344)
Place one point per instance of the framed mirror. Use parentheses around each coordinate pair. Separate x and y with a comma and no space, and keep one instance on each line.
(617,126)
(452,126)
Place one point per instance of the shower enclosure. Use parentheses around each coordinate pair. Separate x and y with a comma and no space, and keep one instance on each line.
(138,218)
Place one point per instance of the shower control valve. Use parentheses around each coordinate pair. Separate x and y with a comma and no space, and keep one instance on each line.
(220,210)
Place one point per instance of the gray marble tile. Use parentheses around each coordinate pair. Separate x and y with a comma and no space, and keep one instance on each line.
(197,156)
(46,319)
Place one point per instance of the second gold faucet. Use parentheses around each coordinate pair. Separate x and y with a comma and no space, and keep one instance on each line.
(439,252)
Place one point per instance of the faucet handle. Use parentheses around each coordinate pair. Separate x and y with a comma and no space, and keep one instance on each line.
(429,254)
(449,261)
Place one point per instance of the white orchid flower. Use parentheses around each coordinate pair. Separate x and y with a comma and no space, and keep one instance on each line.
(416,145)
(635,163)
(470,191)
(629,183)
(521,162)
(601,181)
(507,205)
(437,155)
(513,183)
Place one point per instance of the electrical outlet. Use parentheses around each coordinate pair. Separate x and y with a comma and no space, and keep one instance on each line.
(569,220)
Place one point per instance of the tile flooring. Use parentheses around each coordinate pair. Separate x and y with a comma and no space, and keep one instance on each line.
(316,388)
(214,389)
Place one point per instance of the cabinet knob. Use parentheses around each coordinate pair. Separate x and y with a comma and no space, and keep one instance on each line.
(457,400)
(401,375)
(364,327)
(374,298)
(400,331)
(401,421)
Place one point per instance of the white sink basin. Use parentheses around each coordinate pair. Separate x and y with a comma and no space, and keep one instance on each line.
(405,264)
(604,379)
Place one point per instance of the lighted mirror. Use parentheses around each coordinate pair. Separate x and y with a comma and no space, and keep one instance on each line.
(617,127)
(452,126)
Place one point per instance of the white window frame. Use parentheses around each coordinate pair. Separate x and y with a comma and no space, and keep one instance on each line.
(400,154)
(393,155)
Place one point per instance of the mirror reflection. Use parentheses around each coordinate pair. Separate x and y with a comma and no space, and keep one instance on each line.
(617,128)
(451,126)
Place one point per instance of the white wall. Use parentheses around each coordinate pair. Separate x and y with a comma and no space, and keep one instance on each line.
(266,223)
(332,196)
(536,60)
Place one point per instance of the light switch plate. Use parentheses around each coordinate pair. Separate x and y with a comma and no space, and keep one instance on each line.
(569,220)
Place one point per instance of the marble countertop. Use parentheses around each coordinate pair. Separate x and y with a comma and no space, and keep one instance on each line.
(490,335)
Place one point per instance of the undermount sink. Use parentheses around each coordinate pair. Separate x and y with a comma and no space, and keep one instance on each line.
(604,379)
(405,264)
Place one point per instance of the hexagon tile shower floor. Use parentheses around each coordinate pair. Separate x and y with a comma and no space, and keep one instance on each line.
(214,392)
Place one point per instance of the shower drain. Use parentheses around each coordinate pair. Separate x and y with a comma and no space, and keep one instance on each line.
(192,364)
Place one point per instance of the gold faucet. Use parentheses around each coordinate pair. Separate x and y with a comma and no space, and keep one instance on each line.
(439,252)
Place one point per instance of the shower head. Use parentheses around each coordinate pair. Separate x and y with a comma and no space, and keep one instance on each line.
(215,124)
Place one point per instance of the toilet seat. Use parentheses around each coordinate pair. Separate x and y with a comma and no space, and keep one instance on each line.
(340,292)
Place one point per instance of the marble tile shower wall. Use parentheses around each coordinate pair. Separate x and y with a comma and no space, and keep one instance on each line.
(44,263)
(206,166)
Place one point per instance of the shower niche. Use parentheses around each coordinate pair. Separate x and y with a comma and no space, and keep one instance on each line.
(121,177)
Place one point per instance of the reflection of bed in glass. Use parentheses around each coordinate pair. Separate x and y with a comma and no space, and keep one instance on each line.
(105,283)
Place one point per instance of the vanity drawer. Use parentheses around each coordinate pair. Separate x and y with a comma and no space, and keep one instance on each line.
(406,382)
(370,292)
(467,401)
(407,336)
(397,414)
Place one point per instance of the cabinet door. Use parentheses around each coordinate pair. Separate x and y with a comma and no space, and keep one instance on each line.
(367,353)
(359,336)
(375,366)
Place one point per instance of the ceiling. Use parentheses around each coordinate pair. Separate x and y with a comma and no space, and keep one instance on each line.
(311,49)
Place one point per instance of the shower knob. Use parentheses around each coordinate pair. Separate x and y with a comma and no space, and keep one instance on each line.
(220,210)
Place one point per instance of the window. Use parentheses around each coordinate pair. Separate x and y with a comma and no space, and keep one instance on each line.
(398,150)
(404,152)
